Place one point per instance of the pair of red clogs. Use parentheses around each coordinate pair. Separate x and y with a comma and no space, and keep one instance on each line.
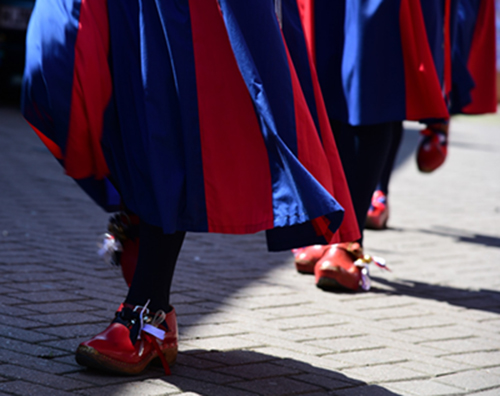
(336,267)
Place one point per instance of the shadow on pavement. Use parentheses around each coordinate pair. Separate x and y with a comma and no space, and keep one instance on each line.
(471,146)
(465,236)
(481,299)
(246,373)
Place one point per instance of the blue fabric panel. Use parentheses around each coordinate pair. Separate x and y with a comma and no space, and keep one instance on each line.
(360,60)
(126,114)
(176,25)
(102,192)
(465,23)
(372,68)
(148,94)
(299,235)
(329,32)
(48,74)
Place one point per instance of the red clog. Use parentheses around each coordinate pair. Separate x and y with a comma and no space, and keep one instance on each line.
(129,344)
(307,257)
(433,147)
(378,214)
(336,269)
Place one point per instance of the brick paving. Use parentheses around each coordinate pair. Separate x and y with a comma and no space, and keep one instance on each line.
(249,323)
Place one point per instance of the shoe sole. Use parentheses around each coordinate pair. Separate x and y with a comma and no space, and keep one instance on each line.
(305,268)
(377,222)
(89,357)
(375,225)
(329,284)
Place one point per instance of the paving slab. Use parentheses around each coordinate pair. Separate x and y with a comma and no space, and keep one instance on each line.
(249,323)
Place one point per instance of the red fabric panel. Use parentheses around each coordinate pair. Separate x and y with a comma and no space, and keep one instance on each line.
(238,186)
(321,226)
(91,93)
(310,151)
(53,148)
(348,230)
(306,10)
(424,97)
(482,61)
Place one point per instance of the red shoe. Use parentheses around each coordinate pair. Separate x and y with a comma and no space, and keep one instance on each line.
(307,257)
(344,266)
(433,147)
(336,269)
(378,214)
(121,244)
(133,339)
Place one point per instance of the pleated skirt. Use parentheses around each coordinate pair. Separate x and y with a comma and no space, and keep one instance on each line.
(205,115)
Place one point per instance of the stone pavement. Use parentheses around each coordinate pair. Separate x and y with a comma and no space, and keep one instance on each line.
(249,323)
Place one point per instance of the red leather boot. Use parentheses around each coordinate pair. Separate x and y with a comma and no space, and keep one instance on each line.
(433,147)
(307,257)
(133,339)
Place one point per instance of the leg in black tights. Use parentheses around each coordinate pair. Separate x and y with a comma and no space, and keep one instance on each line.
(383,184)
(158,254)
(363,151)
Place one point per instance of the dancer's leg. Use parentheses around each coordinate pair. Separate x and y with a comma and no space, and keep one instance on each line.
(138,335)
(378,213)
(363,151)
(383,184)
(152,280)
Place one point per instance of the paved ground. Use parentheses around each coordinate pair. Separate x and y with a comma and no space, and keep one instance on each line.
(251,325)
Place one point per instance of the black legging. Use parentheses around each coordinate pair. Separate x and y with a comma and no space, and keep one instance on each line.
(383,184)
(364,151)
(152,280)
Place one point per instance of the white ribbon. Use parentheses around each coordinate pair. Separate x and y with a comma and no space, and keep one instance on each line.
(108,247)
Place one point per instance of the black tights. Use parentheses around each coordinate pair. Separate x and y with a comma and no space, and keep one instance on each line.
(152,280)
(383,184)
(364,151)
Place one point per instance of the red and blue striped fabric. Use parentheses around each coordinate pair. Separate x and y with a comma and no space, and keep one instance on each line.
(374,61)
(303,63)
(193,108)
